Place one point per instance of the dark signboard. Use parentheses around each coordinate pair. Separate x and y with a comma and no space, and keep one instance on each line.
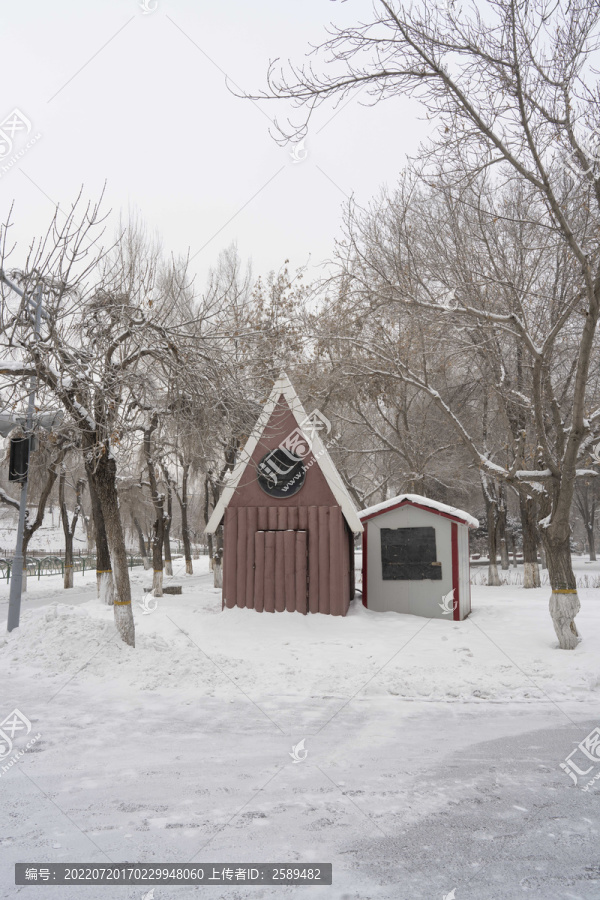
(409,554)
(19,460)
(280,473)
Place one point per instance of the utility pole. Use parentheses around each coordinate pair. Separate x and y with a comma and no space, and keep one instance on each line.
(16,581)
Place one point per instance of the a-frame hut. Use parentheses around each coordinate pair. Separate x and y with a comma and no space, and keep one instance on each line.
(288,540)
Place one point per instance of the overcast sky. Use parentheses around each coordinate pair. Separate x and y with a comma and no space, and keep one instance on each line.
(140,101)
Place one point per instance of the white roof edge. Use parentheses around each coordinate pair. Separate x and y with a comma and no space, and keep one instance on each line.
(283,386)
(466,517)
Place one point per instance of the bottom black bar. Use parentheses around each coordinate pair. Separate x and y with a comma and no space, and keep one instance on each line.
(170,873)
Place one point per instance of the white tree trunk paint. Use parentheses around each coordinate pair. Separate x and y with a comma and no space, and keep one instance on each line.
(189,568)
(218,573)
(122,607)
(168,567)
(157,584)
(493,577)
(68,577)
(106,590)
(146,562)
(563,609)
(531,575)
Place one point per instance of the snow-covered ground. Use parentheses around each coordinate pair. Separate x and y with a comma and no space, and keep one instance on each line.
(434,747)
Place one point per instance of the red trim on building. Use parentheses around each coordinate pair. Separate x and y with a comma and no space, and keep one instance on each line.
(364,566)
(431,509)
(455,582)
(469,570)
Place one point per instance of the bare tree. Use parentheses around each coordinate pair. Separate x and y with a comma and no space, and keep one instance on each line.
(386,283)
(508,84)
(106,316)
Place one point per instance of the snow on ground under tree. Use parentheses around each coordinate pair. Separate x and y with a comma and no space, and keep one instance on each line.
(419,734)
(304,656)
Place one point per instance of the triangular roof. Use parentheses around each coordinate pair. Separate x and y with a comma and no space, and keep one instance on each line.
(434,506)
(283,388)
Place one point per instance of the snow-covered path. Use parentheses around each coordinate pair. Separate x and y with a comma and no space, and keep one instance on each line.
(434,748)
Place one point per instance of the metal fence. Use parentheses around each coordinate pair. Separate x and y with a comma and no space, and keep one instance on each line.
(55,565)
(40,563)
(197,550)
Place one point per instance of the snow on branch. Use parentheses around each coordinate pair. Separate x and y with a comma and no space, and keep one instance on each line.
(10,501)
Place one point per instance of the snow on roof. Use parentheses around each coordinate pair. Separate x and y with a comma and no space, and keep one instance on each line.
(421,501)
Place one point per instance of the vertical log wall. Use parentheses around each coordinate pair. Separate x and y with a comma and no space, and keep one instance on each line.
(265,559)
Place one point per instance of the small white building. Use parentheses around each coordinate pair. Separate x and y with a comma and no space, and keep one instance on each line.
(416,558)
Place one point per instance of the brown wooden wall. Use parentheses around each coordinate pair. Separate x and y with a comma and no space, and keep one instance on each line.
(251,561)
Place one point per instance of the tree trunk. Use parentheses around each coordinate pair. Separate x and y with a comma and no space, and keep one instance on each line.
(158,501)
(591,541)
(564,602)
(68,576)
(142,543)
(105,481)
(492,512)
(209,537)
(185,528)
(106,588)
(527,508)
(157,583)
(531,575)
(167,527)
(501,526)
(90,535)
(68,527)
(218,569)
(167,546)
(104,579)
(490,496)
(504,559)
(218,557)
(157,557)
(585,498)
